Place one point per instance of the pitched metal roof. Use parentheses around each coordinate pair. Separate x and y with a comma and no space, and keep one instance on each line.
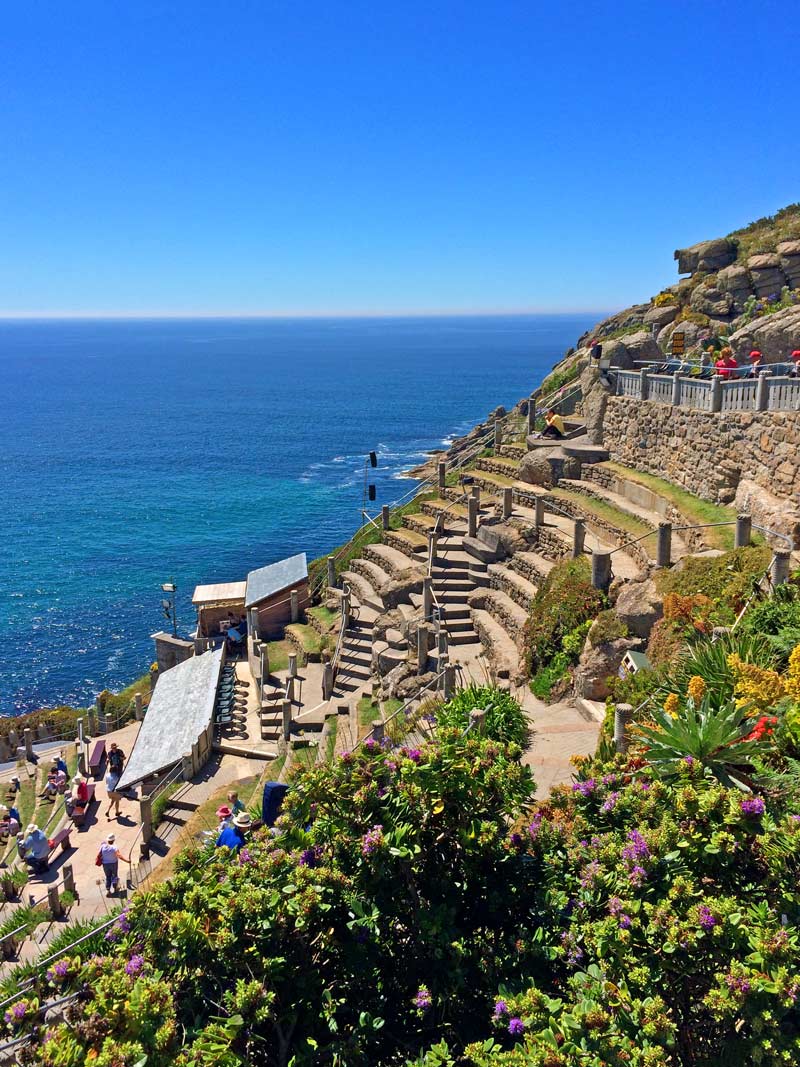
(267,581)
(221,593)
(180,710)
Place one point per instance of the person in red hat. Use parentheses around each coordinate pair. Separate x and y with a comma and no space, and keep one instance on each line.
(794,370)
(756,363)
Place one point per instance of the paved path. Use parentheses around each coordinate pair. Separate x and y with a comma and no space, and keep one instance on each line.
(560,731)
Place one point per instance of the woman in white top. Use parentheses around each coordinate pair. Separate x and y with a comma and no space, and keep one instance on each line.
(110,856)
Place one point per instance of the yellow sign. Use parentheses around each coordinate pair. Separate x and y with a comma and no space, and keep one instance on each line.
(678,343)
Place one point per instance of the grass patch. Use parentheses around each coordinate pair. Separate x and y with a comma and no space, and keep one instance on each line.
(304,756)
(278,655)
(765,234)
(390,706)
(492,479)
(25,803)
(161,803)
(368,711)
(330,743)
(602,509)
(324,615)
(694,509)
(311,642)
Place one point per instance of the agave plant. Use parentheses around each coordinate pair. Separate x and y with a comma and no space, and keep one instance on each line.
(716,736)
(709,660)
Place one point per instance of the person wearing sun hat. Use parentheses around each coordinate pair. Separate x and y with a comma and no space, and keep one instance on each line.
(232,836)
(109,856)
(225,817)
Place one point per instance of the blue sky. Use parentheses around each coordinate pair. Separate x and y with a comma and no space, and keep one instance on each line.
(261,157)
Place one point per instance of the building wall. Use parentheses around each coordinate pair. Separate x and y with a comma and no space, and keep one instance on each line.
(170,651)
(750,459)
(276,613)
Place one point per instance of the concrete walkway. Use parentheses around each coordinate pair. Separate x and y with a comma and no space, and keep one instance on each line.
(560,731)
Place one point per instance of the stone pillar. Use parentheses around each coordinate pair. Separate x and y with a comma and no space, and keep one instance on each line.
(331,572)
(508,502)
(744,530)
(294,605)
(472,517)
(101,716)
(449,681)
(427,597)
(716,392)
(327,681)
(197,761)
(531,414)
(292,664)
(286,719)
(346,606)
(422,649)
(91,720)
(498,434)
(264,656)
(81,738)
(432,546)
(539,506)
(779,568)
(578,538)
(442,643)
(385,517)
(676,389)
(69,877)
(762,392)
(187,768)
(664,545)
(601,570)
(378,730)
(53,902)
(28,735)
(146,817)
(138,707)
(622,717)
(442,471)
(644,384)
(290,690)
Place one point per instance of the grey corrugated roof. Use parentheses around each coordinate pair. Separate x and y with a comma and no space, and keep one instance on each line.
(220,593)
(181,708)
(267,581)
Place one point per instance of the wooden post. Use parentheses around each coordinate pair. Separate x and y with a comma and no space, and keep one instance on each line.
(508,502)
(779,568)
(146,817)
(676,389)
(286,719)
(531,414)
(449,681)
(69,878)
(292,664)
(622,716)
(54,902)
(539,506)
(442,471)
(744,530)
(601,570)
(472,517)
(28,735)
(138,706)
(422,649)
(476,494)
(378,730)
(331,572)
(432,546)
(578,538)
(327,681)
(427,597)
(664,545)
(346,606)
(498,434)
(385,517)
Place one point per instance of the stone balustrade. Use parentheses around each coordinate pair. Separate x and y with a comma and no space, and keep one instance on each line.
(765,393)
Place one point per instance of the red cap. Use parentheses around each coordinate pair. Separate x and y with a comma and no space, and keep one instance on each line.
(796,354)
(755,354)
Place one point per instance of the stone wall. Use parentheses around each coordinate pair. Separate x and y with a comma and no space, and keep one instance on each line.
(750,459)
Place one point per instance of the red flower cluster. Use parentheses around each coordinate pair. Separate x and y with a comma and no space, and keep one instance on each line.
(763,728)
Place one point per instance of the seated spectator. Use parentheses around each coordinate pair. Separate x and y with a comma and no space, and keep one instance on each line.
(235,804)
(9,822)
(34,848)
(61,764)
(756,363)
(726,364)
(78,796)
(233,837)
(225,816)
(555,425)
(794,370)
(51,786)
(595,349)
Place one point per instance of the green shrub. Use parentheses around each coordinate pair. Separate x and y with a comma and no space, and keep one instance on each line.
(709,661)
(565,600)
(505,720)
(727,579)
(608,626)
(778,619)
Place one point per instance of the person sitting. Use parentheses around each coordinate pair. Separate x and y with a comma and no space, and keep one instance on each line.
(14,820)
(232,837)
(34,848)
(51,786)
(726,364)
(78,796)
(757,364)
(235,804)
(794,370)
(61,764)
(9,823)
(555,425)
(225,817)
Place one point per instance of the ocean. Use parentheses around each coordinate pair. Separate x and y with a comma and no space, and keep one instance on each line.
(138,452)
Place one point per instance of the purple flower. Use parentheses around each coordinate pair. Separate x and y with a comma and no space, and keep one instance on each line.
(59,972)
(753,806)
(737,985)
(689,761)
(614,905)
(636,875)
(624,922)
(245,856)
(370,744)
(414,755)
(500,1008)
(134,965)
(573,951)
(609,779)
(516,1026)
(310,857)
(346,757)
(122,926)
(637,849)
(371,840)
(516,840)
(584,788)
(16,1013)
(422,1001)
(590,874)
(610,802)
(707,920)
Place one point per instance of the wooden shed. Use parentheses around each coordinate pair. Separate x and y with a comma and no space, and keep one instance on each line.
(268,596)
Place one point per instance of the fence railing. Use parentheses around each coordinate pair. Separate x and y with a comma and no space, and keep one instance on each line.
(764,393)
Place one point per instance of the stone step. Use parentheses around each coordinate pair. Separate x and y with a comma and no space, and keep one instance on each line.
(396,640)
(498,646)
(409,542)
(373,572)
(362,590)
(501,465)
(463,637)
(453,596)
(458,625)
(389,558)
(480,550)
(531,565)
(419,522)
(520,589)
(505,611)
(644,516)
(513,451)
(452,510)
(452,585)
(456,610)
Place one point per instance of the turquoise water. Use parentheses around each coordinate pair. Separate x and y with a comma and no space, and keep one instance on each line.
(138,452)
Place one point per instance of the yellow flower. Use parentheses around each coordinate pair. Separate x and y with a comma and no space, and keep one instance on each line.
(671,705)
(756,685)
(793,675)
(696,688)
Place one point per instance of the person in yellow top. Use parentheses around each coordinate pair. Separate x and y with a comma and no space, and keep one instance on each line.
(555,424)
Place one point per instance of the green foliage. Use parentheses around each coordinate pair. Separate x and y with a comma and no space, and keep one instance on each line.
(765,234)
(709,661)
(726,579)
(778,619)
(558,379)
(608,626)
(714,735)
(759,307)
(162,802)
(564,601)
(505,720)
(636,689)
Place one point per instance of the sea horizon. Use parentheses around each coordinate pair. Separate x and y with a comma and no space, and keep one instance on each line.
(141,451)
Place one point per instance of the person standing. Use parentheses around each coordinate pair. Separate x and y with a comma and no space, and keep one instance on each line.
(112,781)
(116,759)
(109,856)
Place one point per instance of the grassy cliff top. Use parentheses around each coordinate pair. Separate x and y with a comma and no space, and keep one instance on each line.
(765,234)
